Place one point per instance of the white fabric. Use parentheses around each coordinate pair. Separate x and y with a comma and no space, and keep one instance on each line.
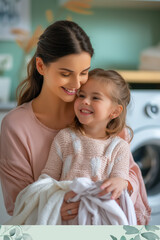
(40,203)
(103,210)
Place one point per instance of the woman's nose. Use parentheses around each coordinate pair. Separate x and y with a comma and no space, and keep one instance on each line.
(77,82)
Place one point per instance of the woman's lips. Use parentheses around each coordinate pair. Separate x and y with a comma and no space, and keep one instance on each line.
(70,91)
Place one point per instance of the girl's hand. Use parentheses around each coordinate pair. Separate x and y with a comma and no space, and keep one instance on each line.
(114,185)
(69,210)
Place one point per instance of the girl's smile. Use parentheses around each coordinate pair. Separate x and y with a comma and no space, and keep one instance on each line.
(85,111)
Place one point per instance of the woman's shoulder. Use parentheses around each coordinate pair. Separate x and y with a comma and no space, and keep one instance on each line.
(18,116)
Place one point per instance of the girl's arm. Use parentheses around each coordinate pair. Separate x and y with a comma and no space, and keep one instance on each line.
(118,178)
(135,181)
(54,164)
(54,168)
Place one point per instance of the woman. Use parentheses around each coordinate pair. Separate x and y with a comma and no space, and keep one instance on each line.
(45,105)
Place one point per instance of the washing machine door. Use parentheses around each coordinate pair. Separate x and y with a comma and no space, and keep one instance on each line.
(145,148)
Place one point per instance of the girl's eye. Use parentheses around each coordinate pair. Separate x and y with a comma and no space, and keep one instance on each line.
(96,98)
(81,96)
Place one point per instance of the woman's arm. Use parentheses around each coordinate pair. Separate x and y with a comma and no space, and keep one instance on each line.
(15,168)
(133,182)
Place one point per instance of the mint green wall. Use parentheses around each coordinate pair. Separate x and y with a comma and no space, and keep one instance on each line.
(118,35)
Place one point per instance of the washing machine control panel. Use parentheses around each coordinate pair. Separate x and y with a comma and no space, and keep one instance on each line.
(152,110)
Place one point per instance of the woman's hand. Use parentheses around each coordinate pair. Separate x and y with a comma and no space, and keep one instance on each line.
(114,185)
(69,210)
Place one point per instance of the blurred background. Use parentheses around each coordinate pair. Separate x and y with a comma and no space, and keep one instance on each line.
(125,35)
(119,30)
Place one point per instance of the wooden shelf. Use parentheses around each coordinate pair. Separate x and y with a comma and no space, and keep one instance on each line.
(140,4)
(140,76)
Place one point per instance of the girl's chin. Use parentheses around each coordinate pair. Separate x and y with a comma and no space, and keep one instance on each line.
(84,122)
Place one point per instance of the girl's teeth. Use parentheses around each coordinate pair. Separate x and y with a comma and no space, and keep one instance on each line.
(85,111)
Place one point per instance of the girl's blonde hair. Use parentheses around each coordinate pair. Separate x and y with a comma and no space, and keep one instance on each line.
(118,91)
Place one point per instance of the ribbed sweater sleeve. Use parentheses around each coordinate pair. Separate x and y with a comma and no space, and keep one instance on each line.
(15,170)
(120,157)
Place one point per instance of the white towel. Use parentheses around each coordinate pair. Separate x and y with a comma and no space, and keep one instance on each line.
(95,210)
(40,203)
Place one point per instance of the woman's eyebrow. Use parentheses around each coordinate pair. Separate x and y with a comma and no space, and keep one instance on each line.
(69,70)
(86,69)
(66,69)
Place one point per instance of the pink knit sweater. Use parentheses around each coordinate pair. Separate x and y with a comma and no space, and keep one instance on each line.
(74,155)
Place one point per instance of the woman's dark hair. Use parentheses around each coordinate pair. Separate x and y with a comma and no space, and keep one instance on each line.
(118,91)
(58,40)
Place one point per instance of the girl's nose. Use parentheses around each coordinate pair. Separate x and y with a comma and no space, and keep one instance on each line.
(86,101)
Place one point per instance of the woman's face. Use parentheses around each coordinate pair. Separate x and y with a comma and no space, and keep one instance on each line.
(65,76)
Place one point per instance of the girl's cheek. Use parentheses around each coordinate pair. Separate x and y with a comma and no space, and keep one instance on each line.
(76,104)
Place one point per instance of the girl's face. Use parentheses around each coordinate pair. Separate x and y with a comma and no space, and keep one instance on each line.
(93,106)
(65,76)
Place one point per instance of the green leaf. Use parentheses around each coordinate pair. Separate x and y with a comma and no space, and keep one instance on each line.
(6,237)
(130,230)
(123,238)
(150,236)
(12,232)
(19,237)
(114,238)
(137,238)
(151,228)
(27,236)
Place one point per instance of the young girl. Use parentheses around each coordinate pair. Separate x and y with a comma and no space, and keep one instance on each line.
(91,147)
(57,70)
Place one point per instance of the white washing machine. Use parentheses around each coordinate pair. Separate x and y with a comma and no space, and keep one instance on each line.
(144,118)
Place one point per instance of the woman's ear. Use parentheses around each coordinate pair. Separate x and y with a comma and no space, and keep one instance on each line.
(117,111)
(40,65)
